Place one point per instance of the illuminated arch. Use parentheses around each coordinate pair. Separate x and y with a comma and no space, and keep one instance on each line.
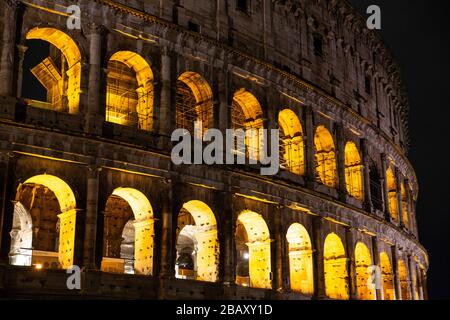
(291,142)
(325,157)
(300,260)
(335,268)
(387,278)
(46,193)
(72,55)
(247,115)
(253,248)
(129,98)
(403,276)
(197,243)
(353,171)
(194,102)
(129,232)
(364,284)
(405,209)
(392,194)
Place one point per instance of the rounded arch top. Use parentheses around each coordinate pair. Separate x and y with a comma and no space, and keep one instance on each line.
(249,104)
(59,187)
(201,213)
(199,86)
(255,226)
(323,139)
(139,203)
(352,155)
(140,66)
(297,234)
(362,254)
(333,247)
(289,123)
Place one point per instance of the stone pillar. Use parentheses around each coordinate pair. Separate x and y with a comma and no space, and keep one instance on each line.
(167,270)
(411,273)
(397,284)
(228,232)
(387,214)
(278,278)
(224,111)
(310,152)
(424,284)
(399,198)
(366,176)
(318,261)
(166,116)
(408,205)
(90,234)
(95,78)
(8,53)
(376,262)
(342,188)
(4,169)
(21,51)
(351,264)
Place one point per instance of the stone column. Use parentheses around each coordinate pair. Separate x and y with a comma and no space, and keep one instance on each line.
(424,284)
(166,116)
(90,235)
(408,205)
(4,169)
(351,265)
(8,55)
(228,232)
(224,114)
(397,284)
(399,198)
(21,51)
(387,214)
(278,279)
(310,152)
(167,270)
(95,78)
(411,273)
(318,262)
(376,262)
(342,188)
(366,176)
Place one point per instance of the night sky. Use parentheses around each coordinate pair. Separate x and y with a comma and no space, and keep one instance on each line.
(417,32)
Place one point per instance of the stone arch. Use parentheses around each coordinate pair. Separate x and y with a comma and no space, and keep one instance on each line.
(130,91)
(392,194)
(128,238)
(291,142)
(353,171)
(405,207)
(363,261)
(43,203)
(52,77)
(253,251)
(387,277)
(247,115)
(335,268)
(197,243)
(326,168)
(300,260)
(194,102)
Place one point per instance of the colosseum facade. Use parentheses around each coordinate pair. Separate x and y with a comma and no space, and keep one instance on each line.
(86,176)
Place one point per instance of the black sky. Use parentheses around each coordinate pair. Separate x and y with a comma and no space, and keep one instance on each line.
(417,32)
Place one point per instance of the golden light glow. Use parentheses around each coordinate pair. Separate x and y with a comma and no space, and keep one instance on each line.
(247,115)
(387,278)
(130,91)
(258,236)
(38,266)
(353,171)
(363,260)
(144,228)
(403,275)
(300,260)
(194,102)
(335,268)
(291,142)
(72,55)
(325,157)
(392,194)
(405,212)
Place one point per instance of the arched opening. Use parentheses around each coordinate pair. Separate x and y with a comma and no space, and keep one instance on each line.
(300,260)
(335,268)
(364,281)
(326,170)
(387,278)
(376,191)
(247,115)
(353,171)
(128,233)
(129,95)
(197,243)
(403,275)
(52,71)
(392,195)
(252,238)
(291,142)
(194,102)
(44,221)
(405,209)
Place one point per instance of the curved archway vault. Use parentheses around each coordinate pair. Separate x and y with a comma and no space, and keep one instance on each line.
(326,167)
(335,268)
(253,248)
(128,233)
(72,54)
(197,243)
(291,142)
(364,282)
(44,203)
